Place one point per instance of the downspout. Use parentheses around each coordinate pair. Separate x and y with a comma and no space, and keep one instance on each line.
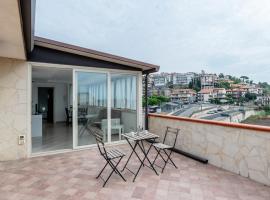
(146,101)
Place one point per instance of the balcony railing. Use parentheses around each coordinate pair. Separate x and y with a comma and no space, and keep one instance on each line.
(239,148)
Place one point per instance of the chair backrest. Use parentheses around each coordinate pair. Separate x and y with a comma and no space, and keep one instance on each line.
(82,110)
(98,134)
(67,114)
(172,133)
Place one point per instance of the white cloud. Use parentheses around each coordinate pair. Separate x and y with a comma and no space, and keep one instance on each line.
(229,36)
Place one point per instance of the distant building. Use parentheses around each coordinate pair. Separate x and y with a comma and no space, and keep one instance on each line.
(183,95)
(219,93)
(243,88)
(161,91)
(263,100)
(236,92)
(149,85)
(182,78)
(208,80)
(205,95)
(162,79)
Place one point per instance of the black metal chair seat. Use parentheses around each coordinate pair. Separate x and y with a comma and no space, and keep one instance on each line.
(162,146)
(114,153)
(165,148)
(112,156)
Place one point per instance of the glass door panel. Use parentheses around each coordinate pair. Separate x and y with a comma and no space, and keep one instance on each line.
(123,104)
(92,92)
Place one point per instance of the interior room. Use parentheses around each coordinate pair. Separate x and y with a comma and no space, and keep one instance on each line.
(92,93)
(51,109)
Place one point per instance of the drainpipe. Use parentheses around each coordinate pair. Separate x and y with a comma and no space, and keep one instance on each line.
(146,100)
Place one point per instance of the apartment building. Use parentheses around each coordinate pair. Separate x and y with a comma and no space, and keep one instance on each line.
(219,93)
(208,80)
(183,95)
(205,95)
(182,78)
(243,88)
(162,79)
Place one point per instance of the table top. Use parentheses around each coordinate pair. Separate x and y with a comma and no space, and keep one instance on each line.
(140,136)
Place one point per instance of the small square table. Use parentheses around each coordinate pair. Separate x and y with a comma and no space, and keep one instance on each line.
(139,138)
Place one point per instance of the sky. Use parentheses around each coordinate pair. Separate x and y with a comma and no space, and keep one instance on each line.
(228,36)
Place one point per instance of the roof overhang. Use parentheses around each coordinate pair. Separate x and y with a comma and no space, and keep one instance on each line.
(63,47)
(11,33)
(17,20)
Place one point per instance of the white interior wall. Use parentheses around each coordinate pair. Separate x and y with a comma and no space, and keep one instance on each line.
(61,98)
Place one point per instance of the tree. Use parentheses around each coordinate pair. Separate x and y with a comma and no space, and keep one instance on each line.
(221,75)
(250,96)
(215,101)
(266,87)
(170,84)
(156,100)
(244,78)
(235,79)
(225,85)
(195,84)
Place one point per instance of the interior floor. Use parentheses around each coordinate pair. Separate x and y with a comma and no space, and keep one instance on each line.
(55,136)
(58,136)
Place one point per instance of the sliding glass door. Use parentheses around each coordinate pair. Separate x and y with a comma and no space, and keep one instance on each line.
(104,102)
(91,106)
(123,104)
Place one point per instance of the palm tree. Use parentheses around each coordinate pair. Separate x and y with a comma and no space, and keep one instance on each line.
(244,78)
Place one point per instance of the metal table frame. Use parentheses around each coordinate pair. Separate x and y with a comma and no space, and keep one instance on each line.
(139,139)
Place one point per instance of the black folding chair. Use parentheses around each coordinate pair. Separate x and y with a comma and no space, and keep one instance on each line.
(166,148)
(109,155)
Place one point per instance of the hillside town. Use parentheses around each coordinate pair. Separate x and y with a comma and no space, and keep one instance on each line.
(208,96)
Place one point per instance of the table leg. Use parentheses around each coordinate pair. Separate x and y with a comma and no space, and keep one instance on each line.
(146,157)
(133,151)
(142,162)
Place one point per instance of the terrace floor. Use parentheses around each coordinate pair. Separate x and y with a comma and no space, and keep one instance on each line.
(72,176)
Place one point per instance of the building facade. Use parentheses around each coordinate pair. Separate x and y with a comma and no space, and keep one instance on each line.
(50,91)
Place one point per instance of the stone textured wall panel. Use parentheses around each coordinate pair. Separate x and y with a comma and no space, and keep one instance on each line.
(13,108)
(241,151)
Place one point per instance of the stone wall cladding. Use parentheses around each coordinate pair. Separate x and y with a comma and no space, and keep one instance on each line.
(242,151)
(13,108)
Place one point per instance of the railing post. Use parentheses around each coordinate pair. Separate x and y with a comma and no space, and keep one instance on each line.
(146,101)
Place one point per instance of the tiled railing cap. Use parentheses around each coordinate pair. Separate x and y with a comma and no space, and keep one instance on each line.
(218,123)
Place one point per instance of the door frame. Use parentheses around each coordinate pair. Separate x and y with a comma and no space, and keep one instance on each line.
(139,108)
(109,106)
(75,107)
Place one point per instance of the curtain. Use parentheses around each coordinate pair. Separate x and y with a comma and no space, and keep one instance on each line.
(123,92)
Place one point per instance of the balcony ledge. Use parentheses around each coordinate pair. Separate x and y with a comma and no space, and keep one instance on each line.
(264,129)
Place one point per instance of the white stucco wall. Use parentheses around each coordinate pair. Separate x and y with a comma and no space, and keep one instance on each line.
(13,108)
(242,151)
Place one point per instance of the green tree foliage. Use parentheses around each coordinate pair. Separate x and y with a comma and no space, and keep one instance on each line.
(221,75)
(156,100)
(266,87)
(244,78)
(235,79)
(223,84)
(170,84)
(195,84)
(250,96)
(215,101)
